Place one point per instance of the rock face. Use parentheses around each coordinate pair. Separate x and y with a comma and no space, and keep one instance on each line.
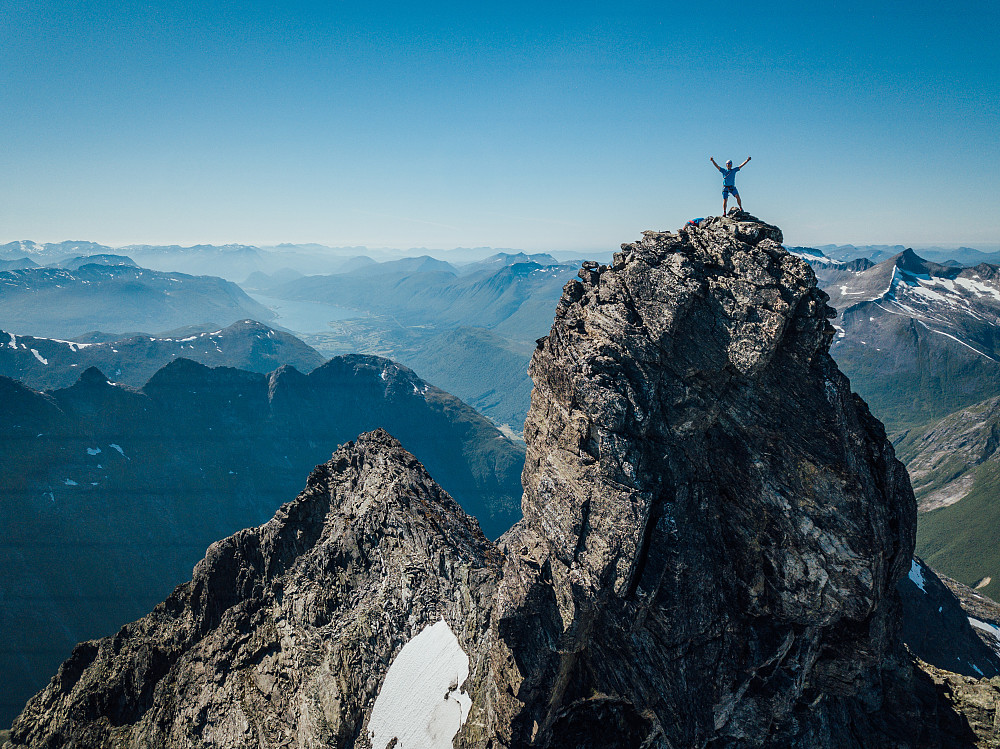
(714,526)
(713,522)
(285,632)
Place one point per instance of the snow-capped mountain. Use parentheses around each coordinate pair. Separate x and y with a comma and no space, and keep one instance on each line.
(46,363)
(948,300)
(918,339)
(51,250)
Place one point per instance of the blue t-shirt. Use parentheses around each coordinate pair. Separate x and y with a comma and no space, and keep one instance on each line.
(729,176)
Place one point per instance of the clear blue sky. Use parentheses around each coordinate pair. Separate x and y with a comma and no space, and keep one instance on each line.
(538,125)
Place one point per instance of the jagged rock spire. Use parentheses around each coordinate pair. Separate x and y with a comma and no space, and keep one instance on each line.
(713,522)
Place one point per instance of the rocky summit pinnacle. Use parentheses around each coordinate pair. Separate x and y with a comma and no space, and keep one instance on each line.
(713,529)
(713,522)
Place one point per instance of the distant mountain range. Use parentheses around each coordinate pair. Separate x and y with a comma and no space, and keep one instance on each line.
(407,309)
(117,298)
(112,494)
(18,264)
(47,363)
(471,329)
(878,253)
(918,339)
(236,262)
(52,250)
(75,263)
(514,298)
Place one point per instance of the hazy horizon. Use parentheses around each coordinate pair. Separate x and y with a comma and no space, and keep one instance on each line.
(416,251)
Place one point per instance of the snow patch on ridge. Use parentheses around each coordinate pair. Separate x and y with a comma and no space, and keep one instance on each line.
(957,340)
(986,627)
(73,345)
(421,704)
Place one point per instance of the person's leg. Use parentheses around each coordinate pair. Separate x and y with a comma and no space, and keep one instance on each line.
(725,199)
(736,192)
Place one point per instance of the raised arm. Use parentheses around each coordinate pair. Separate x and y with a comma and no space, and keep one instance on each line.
(712,159)
(745,163)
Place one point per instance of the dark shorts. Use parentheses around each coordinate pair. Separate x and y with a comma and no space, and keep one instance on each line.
(729,189)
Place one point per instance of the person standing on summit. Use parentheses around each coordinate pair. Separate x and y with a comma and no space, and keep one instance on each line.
(729,181)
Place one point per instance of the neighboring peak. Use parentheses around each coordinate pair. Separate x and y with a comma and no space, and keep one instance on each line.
(364,365)
(93,376)
(910,262)
(285,376)
(184,373)
(180,368)
(296,621)
(251,325)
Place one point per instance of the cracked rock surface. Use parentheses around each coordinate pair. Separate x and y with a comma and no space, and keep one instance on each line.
(713,522)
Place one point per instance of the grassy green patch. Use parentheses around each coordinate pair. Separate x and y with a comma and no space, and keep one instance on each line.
(962,540)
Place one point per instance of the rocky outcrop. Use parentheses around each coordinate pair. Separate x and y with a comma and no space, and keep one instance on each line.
(713,522)
(285,632)
(714,526)
(976,701)
(109,496)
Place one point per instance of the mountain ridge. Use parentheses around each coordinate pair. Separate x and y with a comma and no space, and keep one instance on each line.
(48,363)
(63,303)
(918,339)
(676,580)
(111,494)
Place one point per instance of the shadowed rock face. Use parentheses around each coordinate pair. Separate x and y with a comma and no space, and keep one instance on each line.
(937,628)
(285,632)
(713,522)
(713,529)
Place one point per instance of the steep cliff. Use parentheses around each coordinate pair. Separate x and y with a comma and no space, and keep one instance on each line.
(713,522)
(714,526)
